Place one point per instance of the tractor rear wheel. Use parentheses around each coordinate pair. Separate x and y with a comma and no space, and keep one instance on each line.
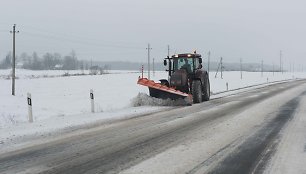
(196,91)
(206,89)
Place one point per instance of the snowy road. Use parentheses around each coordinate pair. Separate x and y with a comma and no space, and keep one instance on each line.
(243,133)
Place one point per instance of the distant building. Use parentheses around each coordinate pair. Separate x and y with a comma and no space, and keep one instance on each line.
(58,66)
(19,65)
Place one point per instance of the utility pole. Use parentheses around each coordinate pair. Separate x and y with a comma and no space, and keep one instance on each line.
(240,68)
(221,68)
(280,61)
(153,68)
(208,62)
(14,59)
(273,69)
(261,68)
(149,49)
(168,50)
(217,70)
(283,60)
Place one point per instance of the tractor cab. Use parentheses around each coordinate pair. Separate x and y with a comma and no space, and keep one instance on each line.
(189,62)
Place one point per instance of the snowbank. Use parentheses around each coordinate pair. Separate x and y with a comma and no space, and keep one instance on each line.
(143,99)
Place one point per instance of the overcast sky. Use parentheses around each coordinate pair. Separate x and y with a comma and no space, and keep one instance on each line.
(121,29)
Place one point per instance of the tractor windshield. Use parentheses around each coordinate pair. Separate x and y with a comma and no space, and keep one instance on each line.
(183,63)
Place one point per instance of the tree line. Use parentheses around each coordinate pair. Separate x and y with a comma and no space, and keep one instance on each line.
(48,61)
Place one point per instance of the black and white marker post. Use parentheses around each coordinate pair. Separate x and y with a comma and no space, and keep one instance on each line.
(92,101)
(29,99)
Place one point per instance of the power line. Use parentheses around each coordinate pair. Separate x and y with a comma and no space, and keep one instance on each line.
(81,42)
(69,36)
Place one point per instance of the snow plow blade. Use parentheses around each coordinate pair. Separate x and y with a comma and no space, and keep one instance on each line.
(158,90)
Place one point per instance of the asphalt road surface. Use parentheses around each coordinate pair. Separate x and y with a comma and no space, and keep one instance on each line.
(240,133)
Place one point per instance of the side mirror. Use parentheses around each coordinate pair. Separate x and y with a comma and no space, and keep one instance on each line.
(165,62)
(200,60)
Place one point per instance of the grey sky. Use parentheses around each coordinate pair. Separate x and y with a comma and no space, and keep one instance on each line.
(120,29)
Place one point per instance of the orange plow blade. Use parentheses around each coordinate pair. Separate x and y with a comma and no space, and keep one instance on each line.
(162,91)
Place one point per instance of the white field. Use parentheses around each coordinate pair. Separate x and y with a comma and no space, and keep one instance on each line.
(63,102)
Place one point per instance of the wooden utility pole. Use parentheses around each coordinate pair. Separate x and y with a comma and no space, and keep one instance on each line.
(168,50)
(14,59)
(208,62)
(217,70)
(221,69)
(153,67)
(149,49)
(283,60)
(240,68)
(280,61)
(261,68)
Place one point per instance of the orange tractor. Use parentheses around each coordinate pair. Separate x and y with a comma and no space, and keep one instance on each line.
(187,77)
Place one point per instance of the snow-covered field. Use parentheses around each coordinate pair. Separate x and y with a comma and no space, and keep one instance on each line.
(61,102)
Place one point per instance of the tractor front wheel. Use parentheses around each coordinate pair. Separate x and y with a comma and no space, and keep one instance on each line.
(196,91)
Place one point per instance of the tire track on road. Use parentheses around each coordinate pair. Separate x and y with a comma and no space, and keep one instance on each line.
(253,154)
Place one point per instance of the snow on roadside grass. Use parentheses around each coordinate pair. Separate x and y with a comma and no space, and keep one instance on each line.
(64,96)
(29,74)
(22,134)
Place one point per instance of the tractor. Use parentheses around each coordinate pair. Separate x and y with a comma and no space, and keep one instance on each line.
(186,77)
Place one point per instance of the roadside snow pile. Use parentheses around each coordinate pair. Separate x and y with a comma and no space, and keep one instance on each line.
(143,99)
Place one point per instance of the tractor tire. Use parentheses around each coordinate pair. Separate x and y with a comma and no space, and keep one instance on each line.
(206,89)
(196,91)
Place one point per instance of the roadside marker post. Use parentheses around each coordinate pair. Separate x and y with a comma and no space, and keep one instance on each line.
(226,86)
(30,113)
(92,101)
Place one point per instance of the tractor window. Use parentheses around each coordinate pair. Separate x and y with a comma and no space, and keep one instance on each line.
(183,63)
